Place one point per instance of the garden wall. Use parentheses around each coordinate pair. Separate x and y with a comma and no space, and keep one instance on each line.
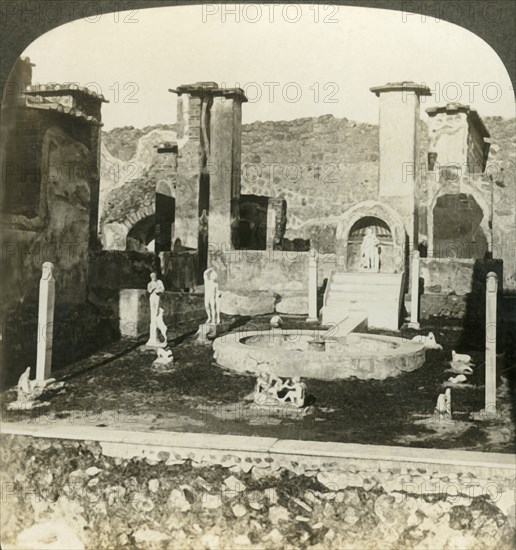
(262,281)
(134,310)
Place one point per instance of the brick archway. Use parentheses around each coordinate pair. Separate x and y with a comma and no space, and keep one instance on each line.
(389,217)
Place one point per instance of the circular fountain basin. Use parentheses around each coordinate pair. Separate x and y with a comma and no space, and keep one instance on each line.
(314,354)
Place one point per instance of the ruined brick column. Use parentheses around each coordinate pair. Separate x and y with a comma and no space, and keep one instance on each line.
(188,170)
(225,161)
(208,168)
(399,155)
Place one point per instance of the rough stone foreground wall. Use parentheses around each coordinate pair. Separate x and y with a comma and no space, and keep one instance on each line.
(127,495)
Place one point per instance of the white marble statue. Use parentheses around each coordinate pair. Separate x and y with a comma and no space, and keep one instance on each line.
(27,388)
(460,357)
(28,391)
(276,321)
(164,357)
(160,324)
(212,296)
(155,288)
(443,406)
(428,342)
(459,379)
(461,368)
(295,392)
(369,251)
(271,390)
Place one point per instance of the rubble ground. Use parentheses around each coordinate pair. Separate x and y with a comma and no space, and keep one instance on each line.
(196,395)
(67,494)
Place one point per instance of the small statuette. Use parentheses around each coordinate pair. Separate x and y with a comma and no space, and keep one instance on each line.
(212,296)
(443,406)
(369,251)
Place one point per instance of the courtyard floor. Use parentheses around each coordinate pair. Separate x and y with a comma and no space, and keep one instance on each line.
(118,388)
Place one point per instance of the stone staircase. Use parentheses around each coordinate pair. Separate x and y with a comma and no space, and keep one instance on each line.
(378,296)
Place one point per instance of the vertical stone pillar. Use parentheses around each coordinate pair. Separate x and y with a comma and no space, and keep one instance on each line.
(414,290)
(312,285)
(47,292)
(188,171)
(225,161)
(490,360)
(399,156)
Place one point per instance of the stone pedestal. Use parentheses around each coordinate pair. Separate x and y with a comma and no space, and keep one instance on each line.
(414,291)
(47,290)
(312,286)
(209,331)
(490,387)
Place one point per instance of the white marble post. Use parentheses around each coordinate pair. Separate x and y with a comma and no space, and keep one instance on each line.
(414,290)
(47,292)
(491,296)
(312,285)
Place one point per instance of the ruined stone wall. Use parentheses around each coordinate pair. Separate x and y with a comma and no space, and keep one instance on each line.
(323,166)
(61,228)
(320,166)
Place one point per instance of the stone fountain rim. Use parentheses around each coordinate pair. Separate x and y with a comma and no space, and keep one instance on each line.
(230,352)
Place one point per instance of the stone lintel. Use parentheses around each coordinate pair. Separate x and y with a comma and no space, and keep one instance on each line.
(405,86)
(200,89)
(473,117)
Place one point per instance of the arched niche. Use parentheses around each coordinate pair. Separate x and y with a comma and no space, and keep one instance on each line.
(141,234)
(388,227)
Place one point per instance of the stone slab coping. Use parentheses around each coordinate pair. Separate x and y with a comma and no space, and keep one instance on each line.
(237,443)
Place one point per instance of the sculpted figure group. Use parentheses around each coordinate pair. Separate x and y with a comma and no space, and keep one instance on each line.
(270,389)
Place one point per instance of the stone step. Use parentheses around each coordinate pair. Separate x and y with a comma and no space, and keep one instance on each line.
(375,295)
(354,299)
(366,278)
(365,289)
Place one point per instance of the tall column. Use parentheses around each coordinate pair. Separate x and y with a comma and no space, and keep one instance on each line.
(399,157)
(312,285)
(188,171)
(490,360)
(47,291)
(225,160)
(414,290)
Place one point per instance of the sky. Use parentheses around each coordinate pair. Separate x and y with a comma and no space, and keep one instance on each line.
(295,61)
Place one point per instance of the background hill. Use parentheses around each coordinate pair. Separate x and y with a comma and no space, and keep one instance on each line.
(315,163)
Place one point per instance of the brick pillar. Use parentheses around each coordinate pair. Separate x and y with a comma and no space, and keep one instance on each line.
(399,156)
(225,160)
(188,172)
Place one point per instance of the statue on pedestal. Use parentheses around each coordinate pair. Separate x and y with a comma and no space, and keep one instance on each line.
(28,391)
(155,288)
(212,296)
(443,405)
(294,392)
(271,390)
(369,251)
